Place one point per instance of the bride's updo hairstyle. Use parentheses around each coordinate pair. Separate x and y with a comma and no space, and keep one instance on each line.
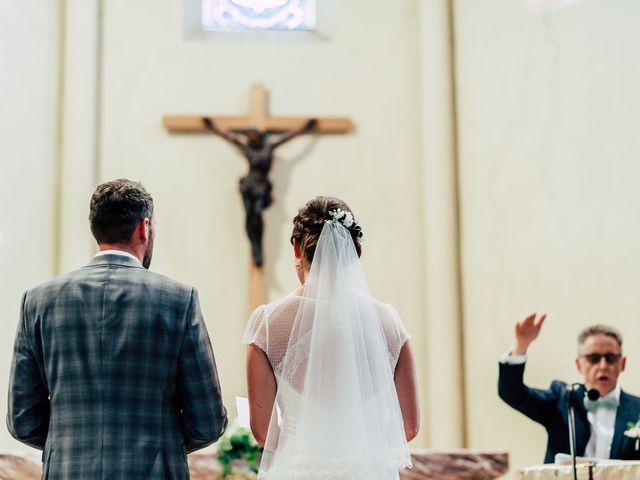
(308,223)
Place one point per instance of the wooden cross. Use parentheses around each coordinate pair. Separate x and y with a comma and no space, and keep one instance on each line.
(258,119)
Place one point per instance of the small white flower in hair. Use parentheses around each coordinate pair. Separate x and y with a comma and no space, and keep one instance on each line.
(348,219)
(337,214)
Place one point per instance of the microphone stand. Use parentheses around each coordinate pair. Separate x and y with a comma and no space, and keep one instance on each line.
(572,426)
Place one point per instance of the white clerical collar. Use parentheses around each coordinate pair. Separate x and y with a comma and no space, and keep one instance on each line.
(118,252)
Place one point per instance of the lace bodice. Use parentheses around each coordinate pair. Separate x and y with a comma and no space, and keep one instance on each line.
(270,325)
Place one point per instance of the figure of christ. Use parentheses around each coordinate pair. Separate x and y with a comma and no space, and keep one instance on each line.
(257,147)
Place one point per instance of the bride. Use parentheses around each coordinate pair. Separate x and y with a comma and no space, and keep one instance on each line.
(331,378)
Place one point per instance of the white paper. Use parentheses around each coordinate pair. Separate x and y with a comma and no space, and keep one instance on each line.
(242,406)
(565,459)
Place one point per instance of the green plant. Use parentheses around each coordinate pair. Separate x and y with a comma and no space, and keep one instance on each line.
(238,446)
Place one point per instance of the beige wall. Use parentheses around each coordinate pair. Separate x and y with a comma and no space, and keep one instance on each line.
(546,110)
(28,85)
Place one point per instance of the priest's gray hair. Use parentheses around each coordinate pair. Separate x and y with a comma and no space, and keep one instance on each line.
(599,329)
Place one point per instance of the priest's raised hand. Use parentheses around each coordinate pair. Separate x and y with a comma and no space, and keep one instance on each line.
(527,331)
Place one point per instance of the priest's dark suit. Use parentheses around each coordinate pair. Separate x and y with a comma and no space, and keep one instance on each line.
(549,408)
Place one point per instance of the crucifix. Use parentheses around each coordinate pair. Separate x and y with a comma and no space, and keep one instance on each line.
(256,135)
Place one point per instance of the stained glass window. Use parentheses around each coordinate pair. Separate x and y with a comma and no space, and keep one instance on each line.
(229,15)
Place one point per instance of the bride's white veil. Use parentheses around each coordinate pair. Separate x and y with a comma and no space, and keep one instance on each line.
(336,413)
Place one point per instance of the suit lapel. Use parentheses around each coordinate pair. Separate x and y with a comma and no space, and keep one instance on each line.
(583,427)
(624,414)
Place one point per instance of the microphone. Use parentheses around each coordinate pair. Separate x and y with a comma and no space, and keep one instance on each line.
(593,395)
(571,421)
(572,399)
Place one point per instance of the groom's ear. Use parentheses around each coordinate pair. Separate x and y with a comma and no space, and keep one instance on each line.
(141,232)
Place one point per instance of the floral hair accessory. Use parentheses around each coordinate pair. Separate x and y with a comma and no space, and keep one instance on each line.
(346,219)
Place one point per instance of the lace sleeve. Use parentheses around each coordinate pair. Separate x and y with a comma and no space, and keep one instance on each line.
(256,332)
(394,331)
(403,335)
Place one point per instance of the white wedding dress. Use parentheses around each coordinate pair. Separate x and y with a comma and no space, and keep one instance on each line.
(333,351)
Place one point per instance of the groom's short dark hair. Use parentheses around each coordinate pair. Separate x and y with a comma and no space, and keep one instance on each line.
(116,208)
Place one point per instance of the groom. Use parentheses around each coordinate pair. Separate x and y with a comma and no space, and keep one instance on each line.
(601,424)
(113,374)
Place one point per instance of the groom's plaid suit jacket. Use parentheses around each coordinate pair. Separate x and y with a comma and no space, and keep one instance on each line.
(113,374)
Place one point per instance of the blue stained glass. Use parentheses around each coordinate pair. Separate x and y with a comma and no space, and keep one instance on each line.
(258,14)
